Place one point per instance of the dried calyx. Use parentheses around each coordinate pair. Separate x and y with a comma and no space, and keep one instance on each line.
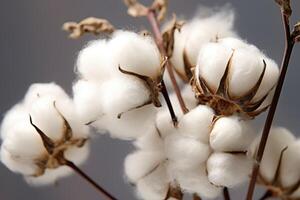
(92,25)
(234,77)
(54,157)
(136,9)
(153,84)
(285,6)
(296,32)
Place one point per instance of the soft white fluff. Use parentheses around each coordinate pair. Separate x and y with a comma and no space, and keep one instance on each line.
(87,97)
(18,132)
(290,164)
(185,152)
(135,53)
(122,94)
(279,139)
(197,32)
(196,181)
(131,125)
(94,62)
(197,123)
(140,163)
(231,134)
(155,185)
(230,170)
(151,140)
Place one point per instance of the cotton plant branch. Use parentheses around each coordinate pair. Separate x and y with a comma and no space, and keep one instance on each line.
(290,40)
(226,194)
(91,25)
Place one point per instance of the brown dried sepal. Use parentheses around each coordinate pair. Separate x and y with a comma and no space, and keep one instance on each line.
(54,155)
(296,32)
(221,101)
(153,85)
(285,6)
(92,25)
(136,9)
(174,191)
(168,35)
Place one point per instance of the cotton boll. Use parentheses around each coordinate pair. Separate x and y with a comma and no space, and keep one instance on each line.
(212,61)
(246,68)
(289,173)
(185,152)
(197,123)
(189,97)
(196,181)
(141,163)
(230,170)
(234,43)
(155,185)
(279,139)
(206,30)
(135,53)
(122,94)
(164,122)
(231,134)
(93,62)
(38,90)
(131,125)
(87,99)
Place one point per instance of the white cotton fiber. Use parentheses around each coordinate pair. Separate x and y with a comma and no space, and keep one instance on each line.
(230,170)
(135,53)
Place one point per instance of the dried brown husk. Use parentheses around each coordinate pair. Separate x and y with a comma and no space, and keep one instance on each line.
(92,25)
(54,155)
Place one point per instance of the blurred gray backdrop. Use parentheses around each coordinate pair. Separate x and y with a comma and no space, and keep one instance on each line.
(34,49)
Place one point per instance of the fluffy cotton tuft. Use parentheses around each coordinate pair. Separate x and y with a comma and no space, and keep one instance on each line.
(231,134)
(230,170)
(135,53)
(199,31)
(47,118)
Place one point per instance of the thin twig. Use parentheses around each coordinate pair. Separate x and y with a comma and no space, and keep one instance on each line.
(164,91)
(159,41)
(226,194)
(289,44)
(107,195)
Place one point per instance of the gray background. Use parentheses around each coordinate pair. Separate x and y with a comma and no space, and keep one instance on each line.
(34,49)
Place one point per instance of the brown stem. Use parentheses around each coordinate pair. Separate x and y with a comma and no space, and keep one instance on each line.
(159,41)
(226,194)
(164,91)
(289,44)
(107,195)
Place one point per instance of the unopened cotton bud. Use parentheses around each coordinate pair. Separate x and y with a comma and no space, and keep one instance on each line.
(94,63)
(234,78)
(231,134)
(135,53)
(141,163)
(290,164)
(197,123)
(155,185)
(123,94)
(87,99)
(196,181)
(278,140)
(230,170)
(185,152)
